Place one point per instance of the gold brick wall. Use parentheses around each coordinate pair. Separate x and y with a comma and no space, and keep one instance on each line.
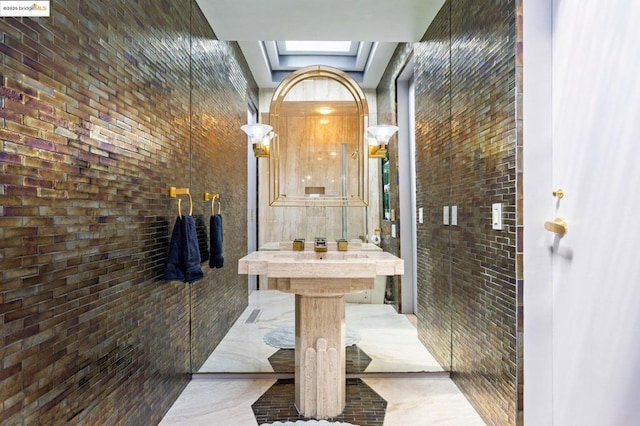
(468,154)
(104,105)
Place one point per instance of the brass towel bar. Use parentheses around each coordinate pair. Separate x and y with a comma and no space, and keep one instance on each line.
(174,192)
(213,197)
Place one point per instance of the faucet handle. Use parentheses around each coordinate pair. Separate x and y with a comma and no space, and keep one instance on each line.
(298,244)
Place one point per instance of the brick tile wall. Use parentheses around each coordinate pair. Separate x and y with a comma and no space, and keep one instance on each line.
(433,187)
(468,153)
(483,154)
(98,117)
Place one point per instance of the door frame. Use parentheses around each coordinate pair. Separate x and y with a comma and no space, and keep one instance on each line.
(252,197)
(407,193)
(538,207)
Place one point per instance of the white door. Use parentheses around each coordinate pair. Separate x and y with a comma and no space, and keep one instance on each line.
(582,134)
(596,161)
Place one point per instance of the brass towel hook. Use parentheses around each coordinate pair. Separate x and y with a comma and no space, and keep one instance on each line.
(557,226)
(213,197)
(174,192)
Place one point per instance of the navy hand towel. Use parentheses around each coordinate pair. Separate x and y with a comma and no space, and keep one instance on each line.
(173,270)
(216,260)
(183,260)
(193,271)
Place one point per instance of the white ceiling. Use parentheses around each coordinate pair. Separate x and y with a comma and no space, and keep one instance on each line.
(388,22)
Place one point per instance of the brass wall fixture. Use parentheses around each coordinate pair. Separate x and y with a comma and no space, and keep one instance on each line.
(174,192)
(259,136)
(213,197)
(557,226)
(559,193)
(379,140)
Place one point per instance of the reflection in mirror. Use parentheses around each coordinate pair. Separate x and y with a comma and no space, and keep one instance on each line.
(378,338)
(318,155)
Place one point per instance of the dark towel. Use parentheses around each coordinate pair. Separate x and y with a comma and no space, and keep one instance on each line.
(193,271)
(203,245)
(183,260)
(174,270)
(216,260)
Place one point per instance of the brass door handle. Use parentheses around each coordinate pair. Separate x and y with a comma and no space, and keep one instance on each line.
(557,226)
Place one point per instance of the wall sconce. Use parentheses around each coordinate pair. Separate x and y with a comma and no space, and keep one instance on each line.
(259,136)
(379,140)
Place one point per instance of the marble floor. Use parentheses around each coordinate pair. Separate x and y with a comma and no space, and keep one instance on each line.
(389,339)
(410,402)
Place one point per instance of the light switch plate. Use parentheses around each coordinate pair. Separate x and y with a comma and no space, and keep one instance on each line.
(420,215)
(454,215)
(393,230)
(496,216)
(445,215)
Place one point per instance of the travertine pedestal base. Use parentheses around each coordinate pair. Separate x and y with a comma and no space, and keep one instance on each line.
(320,280)
(320,356)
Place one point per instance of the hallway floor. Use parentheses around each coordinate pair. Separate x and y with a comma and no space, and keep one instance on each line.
(243,349)
(410,402)
(371,401)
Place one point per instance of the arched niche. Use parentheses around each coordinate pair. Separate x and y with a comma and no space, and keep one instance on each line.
(318,155)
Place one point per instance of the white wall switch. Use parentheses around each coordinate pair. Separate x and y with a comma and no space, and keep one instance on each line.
(393,230)
(445,215)
(496,216)
(420,215)
(454,215)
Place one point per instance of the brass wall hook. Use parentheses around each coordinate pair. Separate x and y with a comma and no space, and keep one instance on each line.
(558,193)
(557,226)
(174,192)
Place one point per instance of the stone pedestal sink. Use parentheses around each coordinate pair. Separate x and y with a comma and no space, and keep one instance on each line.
(320,281)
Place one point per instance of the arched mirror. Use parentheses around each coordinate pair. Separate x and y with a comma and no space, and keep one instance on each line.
(318,155)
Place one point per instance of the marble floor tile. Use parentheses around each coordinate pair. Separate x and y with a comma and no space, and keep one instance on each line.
(420,401)
(217,402)
(387,337)
(410,402)
(243,348)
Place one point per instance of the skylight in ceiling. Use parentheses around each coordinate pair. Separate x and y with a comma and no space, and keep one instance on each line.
(316,47)
(285,56)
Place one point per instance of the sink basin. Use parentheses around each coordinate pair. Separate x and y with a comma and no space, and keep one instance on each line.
(327,255)
(330,264)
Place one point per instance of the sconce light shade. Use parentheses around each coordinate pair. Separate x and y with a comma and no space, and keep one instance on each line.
(379,140)
(259,138)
